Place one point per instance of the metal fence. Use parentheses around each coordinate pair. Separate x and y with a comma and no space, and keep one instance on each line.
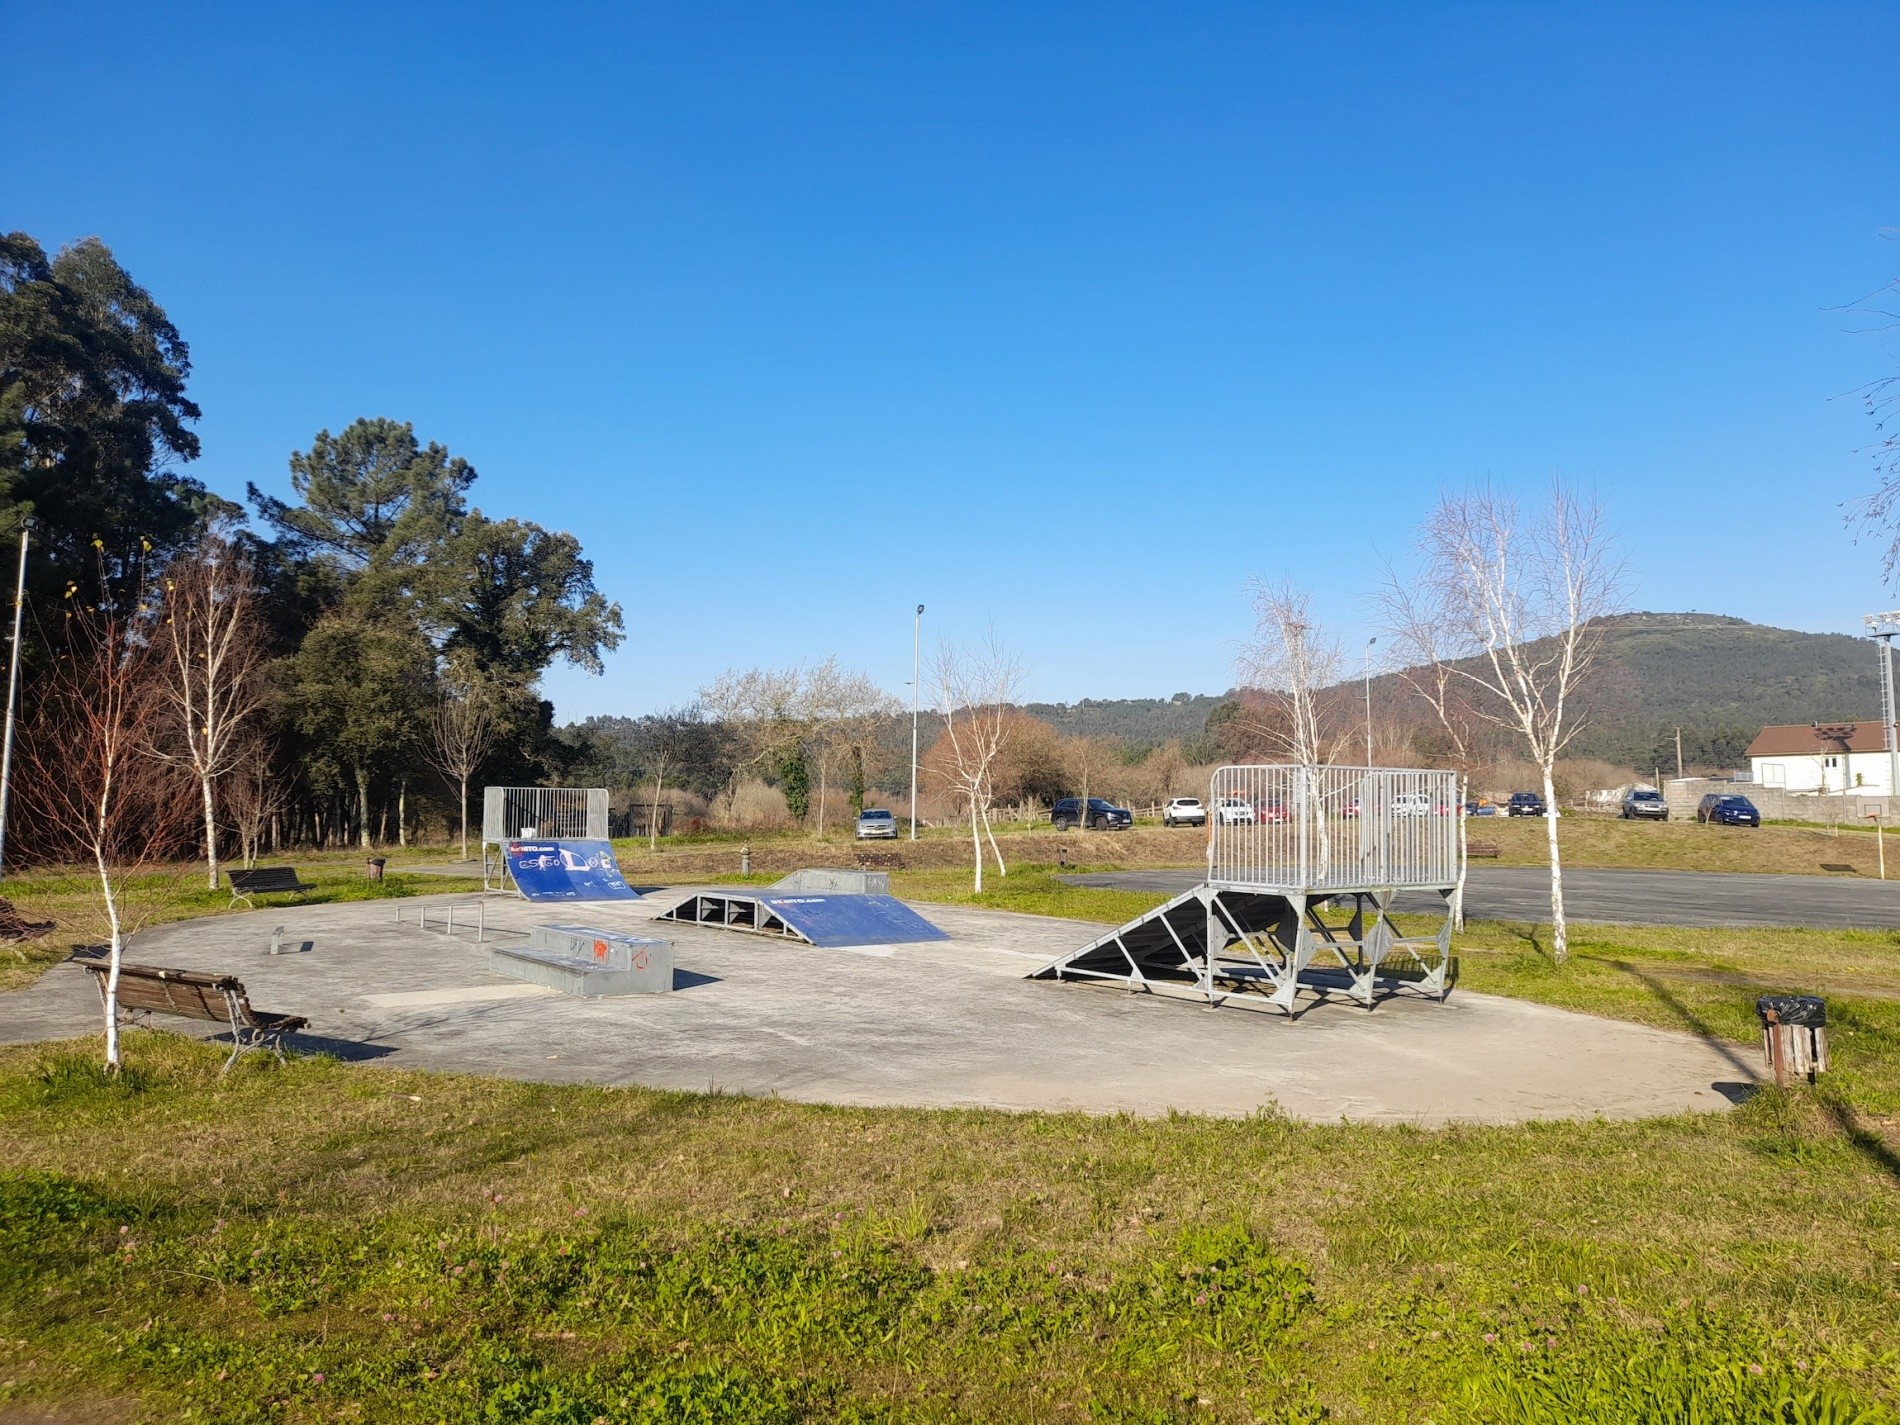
(510,813)
(1295,828)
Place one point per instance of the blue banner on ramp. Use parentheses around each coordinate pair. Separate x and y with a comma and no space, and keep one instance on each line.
(852,920)
(567,871)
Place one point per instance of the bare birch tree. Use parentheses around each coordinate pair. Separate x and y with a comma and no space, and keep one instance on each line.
(254,794)
(214,668)
(98,793)
(1518,603)
(1293,665)
(975,690)
(761,708)
(462,731)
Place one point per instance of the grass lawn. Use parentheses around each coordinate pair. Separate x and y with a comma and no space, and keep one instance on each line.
(322,1242)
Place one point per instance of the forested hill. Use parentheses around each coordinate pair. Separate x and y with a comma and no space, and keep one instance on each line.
(1706,672)
(1720,679)
(1142,722)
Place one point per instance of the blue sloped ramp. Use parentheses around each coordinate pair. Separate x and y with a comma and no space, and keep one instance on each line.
(567,870)
(852,920)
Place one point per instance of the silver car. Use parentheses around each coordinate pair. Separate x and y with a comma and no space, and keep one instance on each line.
(876,824)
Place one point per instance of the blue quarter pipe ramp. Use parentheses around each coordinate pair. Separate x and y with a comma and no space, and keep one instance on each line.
(567,870)
(828,920)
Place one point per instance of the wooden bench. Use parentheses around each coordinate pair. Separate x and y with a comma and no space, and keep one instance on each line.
(1483,850)
(146,990)
(263,881)
(880,861)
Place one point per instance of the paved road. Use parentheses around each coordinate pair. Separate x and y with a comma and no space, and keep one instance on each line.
(1633,897)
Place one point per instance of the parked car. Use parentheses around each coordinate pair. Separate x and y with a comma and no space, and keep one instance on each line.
(1481,807)
(1524,804)
(876,824)
(1272,812)
(1411,804)
(1102,816)
(1350,809)
(1727,809)
(1184,811)
(1644,805)
(1232,811)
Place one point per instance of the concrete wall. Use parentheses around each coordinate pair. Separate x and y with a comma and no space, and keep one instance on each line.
(1776,804)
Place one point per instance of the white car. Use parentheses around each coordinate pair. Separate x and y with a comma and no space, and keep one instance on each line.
(1184,811)
(1232,811)
(876,824)
(1411,804)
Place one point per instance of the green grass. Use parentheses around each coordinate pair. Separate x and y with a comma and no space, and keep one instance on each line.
(330,1242)
(320,1242)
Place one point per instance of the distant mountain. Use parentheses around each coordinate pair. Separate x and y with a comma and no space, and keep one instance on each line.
(1720,679)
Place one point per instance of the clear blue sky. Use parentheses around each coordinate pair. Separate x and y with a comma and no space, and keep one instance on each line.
(1065,317)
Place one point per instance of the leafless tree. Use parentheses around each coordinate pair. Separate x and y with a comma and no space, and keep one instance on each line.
(1879,513)
(97,791)
(209,629)
(761,707)
(975,689)
(1089,761)
(461,732)
(254,794)
(835,707)
(1518,602)
(1293,665)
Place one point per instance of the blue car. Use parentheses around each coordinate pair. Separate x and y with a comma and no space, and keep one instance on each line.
(1727,810)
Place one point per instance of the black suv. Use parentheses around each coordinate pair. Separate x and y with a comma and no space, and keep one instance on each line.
(1524,804)
(1103,816)
(1644,805)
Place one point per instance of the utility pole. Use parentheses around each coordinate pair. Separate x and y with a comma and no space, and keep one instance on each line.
(916,664)
(1881,628)
(13,691)
(1369,642)
(1678,754)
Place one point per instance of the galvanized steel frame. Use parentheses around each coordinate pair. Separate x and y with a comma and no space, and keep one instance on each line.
(1300,829)
(557,813)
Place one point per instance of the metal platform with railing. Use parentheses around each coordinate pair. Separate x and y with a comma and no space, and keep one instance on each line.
(1303,866)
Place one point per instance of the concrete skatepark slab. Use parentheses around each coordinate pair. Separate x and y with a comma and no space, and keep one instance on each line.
(949,1023)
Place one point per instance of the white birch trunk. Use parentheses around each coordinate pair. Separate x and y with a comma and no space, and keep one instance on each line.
(976,843)
(653,814)
(464,790)
(1559,933)
(211,828)
(995,850)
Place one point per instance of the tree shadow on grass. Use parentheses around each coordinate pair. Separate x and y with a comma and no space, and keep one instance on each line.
(1692,1021)
(1869,1144)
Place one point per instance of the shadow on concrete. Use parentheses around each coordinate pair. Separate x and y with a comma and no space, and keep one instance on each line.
(691,979)
(1693,1021)
(350,1051)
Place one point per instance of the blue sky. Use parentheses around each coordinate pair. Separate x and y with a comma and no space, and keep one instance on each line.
(1061,318)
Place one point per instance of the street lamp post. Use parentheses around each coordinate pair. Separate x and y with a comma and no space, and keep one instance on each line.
(916,650)
(13,690)
(1369,642)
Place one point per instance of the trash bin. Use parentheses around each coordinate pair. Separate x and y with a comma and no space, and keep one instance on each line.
(1794,1035)
(375,871)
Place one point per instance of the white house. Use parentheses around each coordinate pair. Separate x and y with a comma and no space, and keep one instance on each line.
(1823,757)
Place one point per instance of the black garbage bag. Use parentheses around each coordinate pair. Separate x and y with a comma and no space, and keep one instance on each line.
(1805,1011)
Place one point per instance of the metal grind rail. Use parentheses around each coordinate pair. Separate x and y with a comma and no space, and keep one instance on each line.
(1304,863)
(448,909)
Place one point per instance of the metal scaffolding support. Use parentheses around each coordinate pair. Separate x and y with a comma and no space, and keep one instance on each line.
(1882,628)
(540,813)
(1304,865)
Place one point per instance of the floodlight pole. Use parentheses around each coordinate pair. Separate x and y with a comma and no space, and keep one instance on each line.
(1369,642)
(916,666)
(13,690)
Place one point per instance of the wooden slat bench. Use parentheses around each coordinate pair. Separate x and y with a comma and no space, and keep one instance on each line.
(1482,850)
(263,881)
(146,990)
(880,861)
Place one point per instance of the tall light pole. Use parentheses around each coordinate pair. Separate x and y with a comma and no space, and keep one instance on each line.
(13,690)
(1882,628)
(1369,642)
(916,667)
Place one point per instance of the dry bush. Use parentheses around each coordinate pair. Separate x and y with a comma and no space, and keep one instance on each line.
(753,806)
